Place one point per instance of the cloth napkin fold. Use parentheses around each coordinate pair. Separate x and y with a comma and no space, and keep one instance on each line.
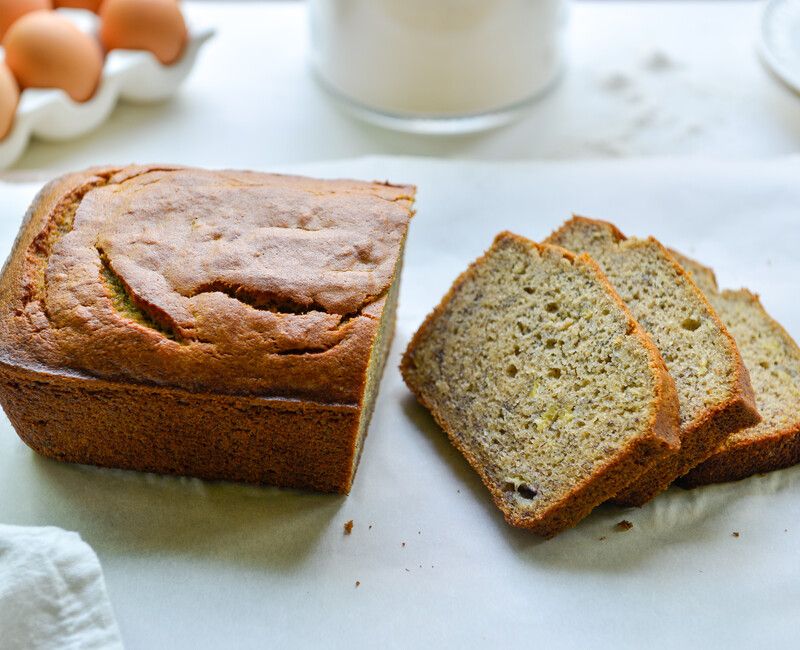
(52,592)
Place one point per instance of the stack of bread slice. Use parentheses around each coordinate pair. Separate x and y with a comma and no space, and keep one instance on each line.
(594,367)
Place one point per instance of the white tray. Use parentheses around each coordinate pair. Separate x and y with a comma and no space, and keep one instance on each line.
(133,75)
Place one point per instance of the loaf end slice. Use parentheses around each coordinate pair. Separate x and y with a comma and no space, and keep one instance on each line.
(773,358)
(545,383)
(716,397)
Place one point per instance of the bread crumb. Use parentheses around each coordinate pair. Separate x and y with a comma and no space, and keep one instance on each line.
(616,82)
(370,527)
(402,544)
(348,527)
(735,533)
(624,525)
(600,539)
(658,62)
(358,583)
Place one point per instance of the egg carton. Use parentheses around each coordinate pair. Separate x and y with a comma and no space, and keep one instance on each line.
(132,75)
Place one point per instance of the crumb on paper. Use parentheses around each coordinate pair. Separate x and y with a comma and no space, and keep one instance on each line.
(348,527)
(735,533)
(600,539)
(358,583)
(624,525)
(658,61)
(407,571)
(616,82)
(370,527)
(402,544)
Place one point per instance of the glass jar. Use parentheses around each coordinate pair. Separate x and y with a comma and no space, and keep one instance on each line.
(437,66)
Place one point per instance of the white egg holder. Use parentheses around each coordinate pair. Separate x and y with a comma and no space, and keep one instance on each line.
(132,75)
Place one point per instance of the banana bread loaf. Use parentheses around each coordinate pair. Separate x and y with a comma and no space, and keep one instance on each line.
(224,325)
(543,380)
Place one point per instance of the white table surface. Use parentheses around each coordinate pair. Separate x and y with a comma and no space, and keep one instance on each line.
(251,103)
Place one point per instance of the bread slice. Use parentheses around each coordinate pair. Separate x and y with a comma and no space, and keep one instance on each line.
(713,385)
(545,383)
(773,358)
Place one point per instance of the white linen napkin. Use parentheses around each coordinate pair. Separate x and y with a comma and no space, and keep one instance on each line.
(52,592)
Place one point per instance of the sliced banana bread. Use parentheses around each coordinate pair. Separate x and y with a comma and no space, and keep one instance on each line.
(773,359)
(545,383)
(713,384)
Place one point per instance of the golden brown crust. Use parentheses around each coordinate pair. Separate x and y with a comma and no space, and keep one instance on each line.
(288,443)
(231,282)
(261,376)
(663,425)
(699,438)
(747,457)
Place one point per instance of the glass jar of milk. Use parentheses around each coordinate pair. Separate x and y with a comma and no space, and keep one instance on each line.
(437,65)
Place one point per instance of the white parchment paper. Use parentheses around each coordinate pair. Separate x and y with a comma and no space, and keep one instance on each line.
(197,565)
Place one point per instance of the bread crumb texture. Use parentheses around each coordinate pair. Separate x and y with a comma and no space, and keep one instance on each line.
(540,376)
(773,360)
(714,390)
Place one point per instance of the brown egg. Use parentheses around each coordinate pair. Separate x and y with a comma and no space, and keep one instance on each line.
(10,10)
(91,5)
(9,98)
(45,50)
(154,25)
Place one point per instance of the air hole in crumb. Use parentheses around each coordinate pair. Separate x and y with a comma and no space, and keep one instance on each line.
(554,372)
(764,364)
(551,307)
(528,289)
(690,324)
(523,327)
(526,491)
(550,344)
(511,371)
(516,350)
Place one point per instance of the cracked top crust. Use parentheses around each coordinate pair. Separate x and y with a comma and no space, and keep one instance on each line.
(234,282)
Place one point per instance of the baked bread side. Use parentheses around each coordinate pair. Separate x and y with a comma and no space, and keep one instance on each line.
(773,359)
(274,290)
(542,379)
(716,397)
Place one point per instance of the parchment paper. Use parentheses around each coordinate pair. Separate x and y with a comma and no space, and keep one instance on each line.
(197,565)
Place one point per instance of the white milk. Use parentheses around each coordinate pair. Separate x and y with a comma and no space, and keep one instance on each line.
(437,58)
